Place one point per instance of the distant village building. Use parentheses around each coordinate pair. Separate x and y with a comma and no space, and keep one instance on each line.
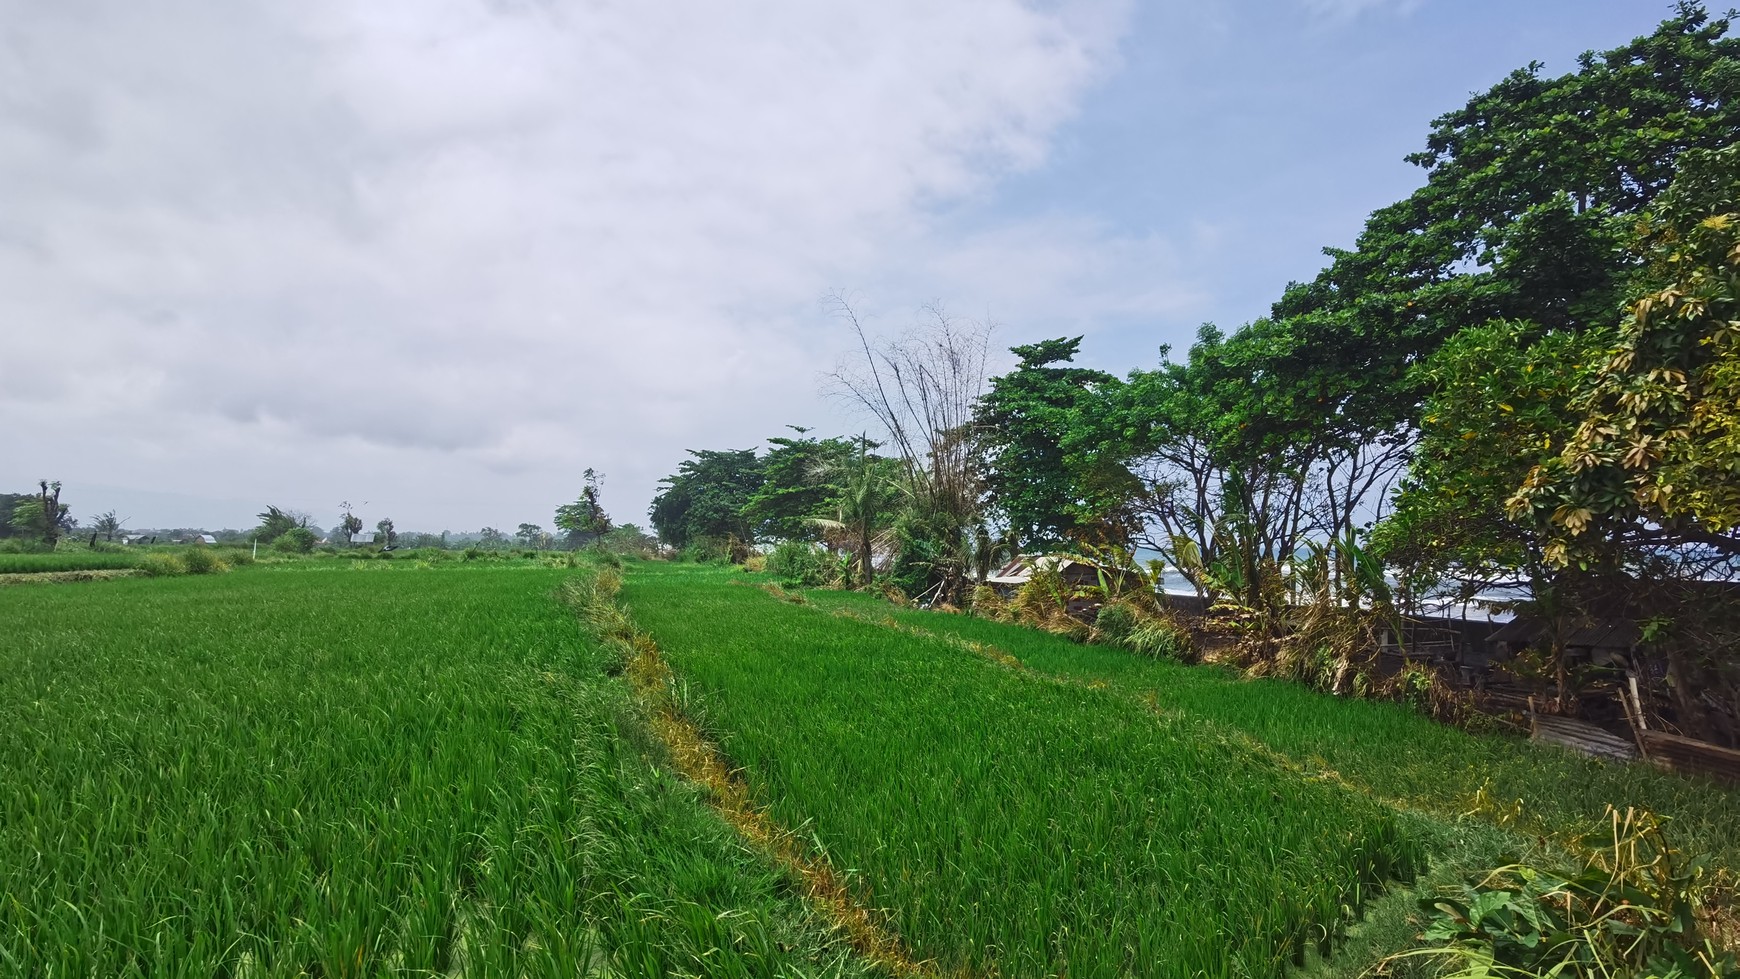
(363,537)
(133,538)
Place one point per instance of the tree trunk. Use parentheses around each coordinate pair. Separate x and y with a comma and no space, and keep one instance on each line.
(50,515)
(865,558)
(1683,681)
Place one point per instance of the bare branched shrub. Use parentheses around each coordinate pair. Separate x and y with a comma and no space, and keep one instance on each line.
(923,388)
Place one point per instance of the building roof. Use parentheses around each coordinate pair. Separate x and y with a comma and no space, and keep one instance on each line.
(1601,634)
(1020,570)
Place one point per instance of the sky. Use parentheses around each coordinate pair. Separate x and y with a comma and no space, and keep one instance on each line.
(435,258)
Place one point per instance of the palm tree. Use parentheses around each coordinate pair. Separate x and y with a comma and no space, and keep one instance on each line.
(108,525)
(863,507)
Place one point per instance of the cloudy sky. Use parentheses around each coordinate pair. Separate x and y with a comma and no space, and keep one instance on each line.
(436,257)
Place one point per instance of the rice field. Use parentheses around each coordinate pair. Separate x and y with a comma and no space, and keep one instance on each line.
(1012,824)
(1389,750)
(325,772)
(428,767)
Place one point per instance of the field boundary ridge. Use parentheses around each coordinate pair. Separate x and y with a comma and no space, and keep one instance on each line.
(593,597)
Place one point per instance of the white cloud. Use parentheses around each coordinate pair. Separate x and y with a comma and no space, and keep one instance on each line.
(448,253)
(1349,9)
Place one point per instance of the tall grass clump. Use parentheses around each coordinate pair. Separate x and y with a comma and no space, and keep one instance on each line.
(1013,825)
(198,560)
(1161,638)
(158,564)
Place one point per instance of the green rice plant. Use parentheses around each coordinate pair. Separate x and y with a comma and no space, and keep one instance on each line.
(1010,824)
(40,562)
(302,771)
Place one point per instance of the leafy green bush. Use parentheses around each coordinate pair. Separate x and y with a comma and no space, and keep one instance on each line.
(160,565)
(708,550)
(296,540)
(198,560)
(1633,910)
(802,565)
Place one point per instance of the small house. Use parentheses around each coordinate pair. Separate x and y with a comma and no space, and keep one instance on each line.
(1080,579)
(365,537)
(1075,573)
(1605,642)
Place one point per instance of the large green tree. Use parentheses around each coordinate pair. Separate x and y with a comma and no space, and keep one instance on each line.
(1050,473)
(799,482)
(584,520)
(1654,461)
(1531,189)
(1501,400)
(705,499)
(276,521)
(1603,465)
(107,524)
